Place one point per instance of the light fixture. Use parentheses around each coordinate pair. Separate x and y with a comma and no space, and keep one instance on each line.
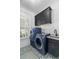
(35,1)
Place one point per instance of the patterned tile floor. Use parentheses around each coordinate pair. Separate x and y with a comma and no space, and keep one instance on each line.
(31,53)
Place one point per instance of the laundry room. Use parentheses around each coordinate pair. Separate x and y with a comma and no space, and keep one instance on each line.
(39,29)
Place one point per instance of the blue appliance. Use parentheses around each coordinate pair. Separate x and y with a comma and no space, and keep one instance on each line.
(38,40)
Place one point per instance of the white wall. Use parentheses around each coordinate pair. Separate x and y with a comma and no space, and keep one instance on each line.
(26,23)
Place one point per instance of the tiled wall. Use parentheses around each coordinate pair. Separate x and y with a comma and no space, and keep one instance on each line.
(49,28)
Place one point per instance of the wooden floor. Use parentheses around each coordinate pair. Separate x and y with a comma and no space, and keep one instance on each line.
(31,53)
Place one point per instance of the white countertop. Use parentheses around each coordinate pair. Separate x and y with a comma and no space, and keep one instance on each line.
(53,37)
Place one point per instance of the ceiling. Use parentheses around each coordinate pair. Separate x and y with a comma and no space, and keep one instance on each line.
(35,5)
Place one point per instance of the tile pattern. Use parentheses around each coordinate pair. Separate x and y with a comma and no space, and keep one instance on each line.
(31,53)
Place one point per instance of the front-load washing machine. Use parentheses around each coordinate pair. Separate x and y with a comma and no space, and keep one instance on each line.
(39,42)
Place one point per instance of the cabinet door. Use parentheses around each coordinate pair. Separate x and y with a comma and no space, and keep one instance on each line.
(53,47)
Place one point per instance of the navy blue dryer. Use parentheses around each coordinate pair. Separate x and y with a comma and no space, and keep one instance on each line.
(38,41)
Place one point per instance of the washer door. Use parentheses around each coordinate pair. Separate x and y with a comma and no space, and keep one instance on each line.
(38,41)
